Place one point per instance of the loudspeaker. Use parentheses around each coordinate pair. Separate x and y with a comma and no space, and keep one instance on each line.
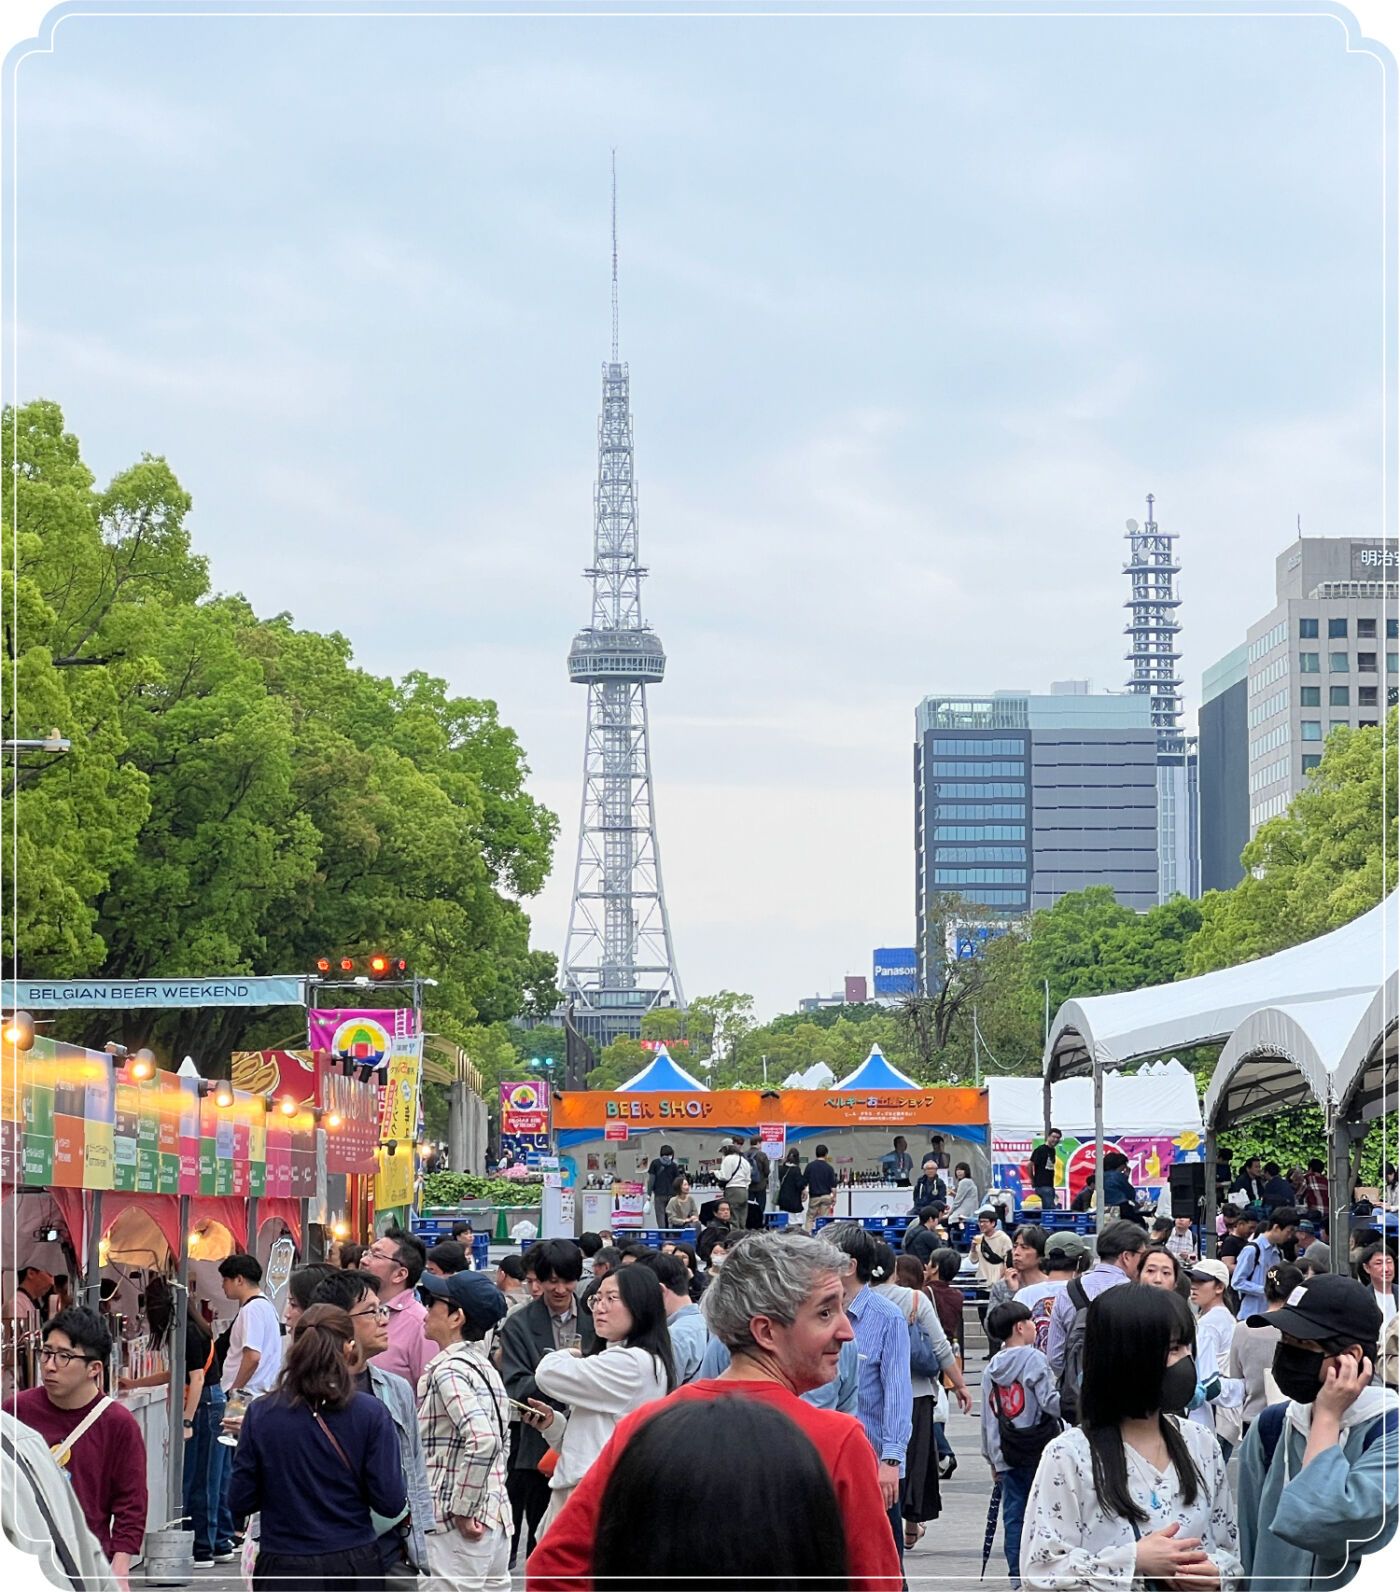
(1188,1186)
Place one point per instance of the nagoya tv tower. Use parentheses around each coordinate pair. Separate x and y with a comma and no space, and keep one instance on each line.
(618,958)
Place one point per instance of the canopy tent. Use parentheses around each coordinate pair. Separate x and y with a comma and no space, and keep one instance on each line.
(1160,1098)
(875,1072)
(1286,1053)
(1337,1054)
(659,1075)
(1111,1030)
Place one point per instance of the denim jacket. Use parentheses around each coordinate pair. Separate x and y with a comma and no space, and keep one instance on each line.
(394,1393)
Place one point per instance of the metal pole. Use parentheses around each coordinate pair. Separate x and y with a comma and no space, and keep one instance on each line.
(1098,1146)
(92,1281)
(1338,1191)
(253,1225)
(1209,1238)
(175,1477)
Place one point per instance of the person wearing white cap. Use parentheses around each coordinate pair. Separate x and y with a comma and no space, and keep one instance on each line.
(1215,1302)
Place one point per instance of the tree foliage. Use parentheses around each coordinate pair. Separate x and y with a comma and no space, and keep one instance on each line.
(240,797)
(1315,867)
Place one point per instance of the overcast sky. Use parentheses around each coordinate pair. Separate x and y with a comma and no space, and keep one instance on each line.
(917,311)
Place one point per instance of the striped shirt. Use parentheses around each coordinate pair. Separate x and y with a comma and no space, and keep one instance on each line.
(884,1391)
(464,1418)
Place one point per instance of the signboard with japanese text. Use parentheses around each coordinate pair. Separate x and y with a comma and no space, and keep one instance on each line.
(525,1107)
(748,1108)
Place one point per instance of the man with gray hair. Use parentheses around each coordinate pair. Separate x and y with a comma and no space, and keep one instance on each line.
(776,1305)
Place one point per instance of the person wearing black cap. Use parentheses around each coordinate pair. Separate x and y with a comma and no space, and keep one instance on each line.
(465,1419)
(1318,1475)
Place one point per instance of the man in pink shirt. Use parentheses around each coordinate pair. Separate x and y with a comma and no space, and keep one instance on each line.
(398,1263)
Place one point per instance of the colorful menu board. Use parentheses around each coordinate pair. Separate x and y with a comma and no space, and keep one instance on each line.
(73,1120)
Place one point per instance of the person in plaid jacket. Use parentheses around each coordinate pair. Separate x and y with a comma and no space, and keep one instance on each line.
(464,1417)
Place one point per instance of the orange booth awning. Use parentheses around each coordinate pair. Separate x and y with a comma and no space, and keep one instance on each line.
(747,1108)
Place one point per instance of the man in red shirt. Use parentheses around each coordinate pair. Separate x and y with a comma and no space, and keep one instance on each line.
(776,1305)
(94,1439)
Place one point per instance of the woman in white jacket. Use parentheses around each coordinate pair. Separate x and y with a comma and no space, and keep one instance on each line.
(630,1365)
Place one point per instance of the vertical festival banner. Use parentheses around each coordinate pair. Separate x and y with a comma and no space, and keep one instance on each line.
(398,1121)
(524,1120)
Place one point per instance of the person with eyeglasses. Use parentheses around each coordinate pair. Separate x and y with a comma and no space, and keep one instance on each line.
(398,1262)
(94,1439)
(403,1548)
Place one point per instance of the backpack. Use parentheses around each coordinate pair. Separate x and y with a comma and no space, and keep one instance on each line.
(1072,1371)
(1271,1423)
(1021,1446)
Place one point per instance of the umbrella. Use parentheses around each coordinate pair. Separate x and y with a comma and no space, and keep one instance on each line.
(993,1508)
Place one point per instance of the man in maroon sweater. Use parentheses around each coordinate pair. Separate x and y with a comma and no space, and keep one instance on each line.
(106,1462)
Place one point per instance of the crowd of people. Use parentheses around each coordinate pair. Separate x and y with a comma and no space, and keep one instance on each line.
(409,1416)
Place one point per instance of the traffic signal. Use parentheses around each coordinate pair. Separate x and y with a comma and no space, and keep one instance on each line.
(382,966)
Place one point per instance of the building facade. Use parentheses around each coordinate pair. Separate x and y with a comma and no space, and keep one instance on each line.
(1224,769)
(1326,655)
(1020,799)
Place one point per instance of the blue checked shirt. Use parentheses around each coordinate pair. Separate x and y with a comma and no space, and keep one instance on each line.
(884,1392)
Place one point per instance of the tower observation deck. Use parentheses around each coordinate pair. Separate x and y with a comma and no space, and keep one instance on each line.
(619,961)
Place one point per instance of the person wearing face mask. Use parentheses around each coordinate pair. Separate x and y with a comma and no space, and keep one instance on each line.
(1215,1303)
(662,1175)
(1132,1494)
(1318,1475)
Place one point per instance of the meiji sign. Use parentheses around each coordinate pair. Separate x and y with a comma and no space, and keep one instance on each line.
(1379,558)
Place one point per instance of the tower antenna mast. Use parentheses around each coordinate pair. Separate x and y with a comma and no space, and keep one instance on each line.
(619,962)
(614,232)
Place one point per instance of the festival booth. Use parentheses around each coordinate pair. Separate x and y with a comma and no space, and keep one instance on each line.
(114,1172)
(1152,1116)
(1313,1023)
(607,1139)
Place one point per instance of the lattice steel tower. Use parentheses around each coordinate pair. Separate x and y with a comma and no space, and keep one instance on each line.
(1152,630)
(618,959)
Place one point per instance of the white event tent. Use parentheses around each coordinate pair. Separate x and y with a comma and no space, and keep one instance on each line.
(1313,1023)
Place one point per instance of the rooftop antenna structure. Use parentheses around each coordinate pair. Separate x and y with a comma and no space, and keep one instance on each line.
(619,960)
(1153,631)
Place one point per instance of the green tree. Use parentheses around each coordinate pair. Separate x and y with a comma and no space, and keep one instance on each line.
(240,797)
(1323,862)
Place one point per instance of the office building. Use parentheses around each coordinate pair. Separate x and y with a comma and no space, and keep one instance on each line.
(1327,654)
(1224,769)
(1021,798)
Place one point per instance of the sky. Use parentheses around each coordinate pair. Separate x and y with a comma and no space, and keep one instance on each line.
(917,309)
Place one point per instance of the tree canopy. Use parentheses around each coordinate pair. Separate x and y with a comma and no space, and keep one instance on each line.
(239,797)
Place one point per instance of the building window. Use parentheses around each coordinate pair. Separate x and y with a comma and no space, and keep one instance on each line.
(1339,696)
(991,790)
(1366,724)
(1338,724)
(1338,663)
(1310,761)
(1365,663)
(971,770)
(1309,663)
(1310,696)
(1336,629)
(1366,696)
(1365,629)
(1392,663)
(1307,629)
(1392,629)
(1312,729)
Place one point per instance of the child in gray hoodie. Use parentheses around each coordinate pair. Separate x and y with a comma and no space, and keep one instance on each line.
(1020,1414)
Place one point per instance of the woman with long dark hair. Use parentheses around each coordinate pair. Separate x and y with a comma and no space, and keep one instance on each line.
(790,1183)
(1133,1493)
(781,1527)
(629,1364)
(314,1457)
(202,1412)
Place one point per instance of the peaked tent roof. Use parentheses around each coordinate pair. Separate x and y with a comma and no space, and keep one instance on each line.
(1112,1030)
(1160,1099)
(659,1074)
(876,1073)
